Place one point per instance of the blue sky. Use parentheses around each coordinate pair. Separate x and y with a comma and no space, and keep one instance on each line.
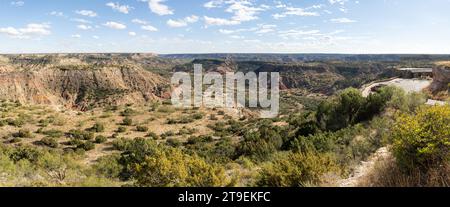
(209,26)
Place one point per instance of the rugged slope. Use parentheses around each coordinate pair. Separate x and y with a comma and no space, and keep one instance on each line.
(441,77)
(80,82)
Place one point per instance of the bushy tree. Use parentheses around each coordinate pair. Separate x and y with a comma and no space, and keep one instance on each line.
(350,108)
(342,111)
(260,144)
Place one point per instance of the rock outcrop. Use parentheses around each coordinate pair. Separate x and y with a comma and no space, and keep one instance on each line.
(441,78)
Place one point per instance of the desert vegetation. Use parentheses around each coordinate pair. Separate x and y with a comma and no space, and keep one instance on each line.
(325,130)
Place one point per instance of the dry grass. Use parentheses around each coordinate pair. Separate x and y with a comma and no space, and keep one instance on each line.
(386,173)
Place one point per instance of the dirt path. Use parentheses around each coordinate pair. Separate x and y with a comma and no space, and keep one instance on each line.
(364,168)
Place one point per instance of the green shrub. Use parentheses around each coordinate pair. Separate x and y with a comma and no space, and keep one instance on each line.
(154,106)
(260,144)
(166,109)
(173,142)
(87,146)
(49,142)
(53,133)
(128,112)
(186,131)
(100,139)
(127,121)
(29,153)
(350,108)
(98,127)
(74,142)
(167,134)
(141,128)
(44,122)
(82,135)
(108,166)
(15,122)
(120,144)
(195,140)
(182,120)
(3,123)
(197,116)
(170,167)
(15,140)
(297,170)
(23,133)
(152,135)
(121,129)
(114,136)
(213,117)
(422,140)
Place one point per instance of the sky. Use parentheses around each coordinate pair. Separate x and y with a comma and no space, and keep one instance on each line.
(225,26)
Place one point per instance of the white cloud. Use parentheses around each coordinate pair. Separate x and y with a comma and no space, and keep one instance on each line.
(84,27)
(115,25)
(149,28)
(17,3)
(88,13)
(191,19)
(265,28)
(145,26)
(56,13)
(225,31)
(343,9)
(28,31)
(120,8)
(132,33)
(219,21)
(341,2)
(176,23)
(294,11)
(213,4)
(76,36)
(237,37)
(280,4)
(79,20)
(342,20)
(96,37)
(182,22)
(157,7)
(242,10)
(139,21)
(297,34)
(260,29)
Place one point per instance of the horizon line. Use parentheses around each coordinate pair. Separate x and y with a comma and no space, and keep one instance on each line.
(223,53)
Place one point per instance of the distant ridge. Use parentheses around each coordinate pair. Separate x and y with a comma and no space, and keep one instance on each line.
(279,57)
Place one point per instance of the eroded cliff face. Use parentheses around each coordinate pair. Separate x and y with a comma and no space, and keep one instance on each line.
(441,78)
(75,83)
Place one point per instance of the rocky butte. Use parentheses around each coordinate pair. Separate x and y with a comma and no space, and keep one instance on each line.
(441,77)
